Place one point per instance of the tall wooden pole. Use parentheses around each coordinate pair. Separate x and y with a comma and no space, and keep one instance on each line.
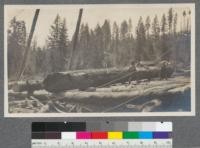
(24,61)
(75,39)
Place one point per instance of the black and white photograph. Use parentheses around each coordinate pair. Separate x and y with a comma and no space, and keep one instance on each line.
(99,60)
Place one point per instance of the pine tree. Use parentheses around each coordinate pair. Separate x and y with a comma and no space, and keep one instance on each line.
(106,30)
(140,36)
(84,49)
(175,23)
(106,34)
(57,44)
(164,50)
(147,26)
(53,40)
(16,45)
(156,36)
(170,19)
(155,28)
(92,48)
(115,44)
(149,45)
(164,25)
(123,46)
(115,34)
(130,28)
(39,60)
(98,56)
(124,30)
(63,40)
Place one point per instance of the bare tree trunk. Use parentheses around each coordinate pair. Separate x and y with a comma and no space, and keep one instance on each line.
(24,61)
(75,39)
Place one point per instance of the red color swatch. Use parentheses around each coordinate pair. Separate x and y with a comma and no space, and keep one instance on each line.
(99,135)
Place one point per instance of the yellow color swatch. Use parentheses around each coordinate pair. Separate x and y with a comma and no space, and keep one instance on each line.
(115,135)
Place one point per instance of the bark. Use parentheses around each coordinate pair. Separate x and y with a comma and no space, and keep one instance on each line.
(44,96)
(107,101)
(25,86)
(62,81)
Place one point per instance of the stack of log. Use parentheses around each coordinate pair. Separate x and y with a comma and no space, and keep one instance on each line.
(68,91)
(83,79)
(145,96)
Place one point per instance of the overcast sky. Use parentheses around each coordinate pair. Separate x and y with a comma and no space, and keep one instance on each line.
(92,14)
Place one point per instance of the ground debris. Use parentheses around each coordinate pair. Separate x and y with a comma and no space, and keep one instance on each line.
(156,95)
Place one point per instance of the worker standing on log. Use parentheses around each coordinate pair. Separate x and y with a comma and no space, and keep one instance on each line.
(163,70)
(132,69)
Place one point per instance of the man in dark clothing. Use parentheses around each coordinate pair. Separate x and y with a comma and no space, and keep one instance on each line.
(132,69)
(163,70)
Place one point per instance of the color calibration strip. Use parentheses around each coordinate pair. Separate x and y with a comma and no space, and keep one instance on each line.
(101,126)
(102,135)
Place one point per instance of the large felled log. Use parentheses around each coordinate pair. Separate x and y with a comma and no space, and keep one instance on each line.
(170,95)
(83,79)
(40,95)
(104,100)
(29,86)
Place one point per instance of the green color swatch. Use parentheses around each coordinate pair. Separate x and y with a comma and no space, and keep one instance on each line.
(130,135)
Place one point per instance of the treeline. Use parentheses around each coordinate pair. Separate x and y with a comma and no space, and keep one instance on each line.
(107,45)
